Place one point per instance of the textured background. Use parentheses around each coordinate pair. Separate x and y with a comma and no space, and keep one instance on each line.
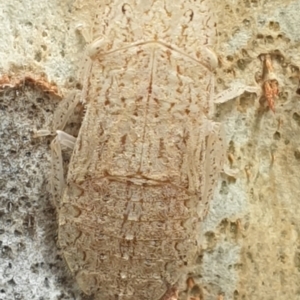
(251,247)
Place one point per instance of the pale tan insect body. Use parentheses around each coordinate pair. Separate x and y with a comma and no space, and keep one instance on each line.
(147,157)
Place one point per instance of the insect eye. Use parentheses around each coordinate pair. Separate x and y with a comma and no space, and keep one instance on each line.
(126,9)
(189,15)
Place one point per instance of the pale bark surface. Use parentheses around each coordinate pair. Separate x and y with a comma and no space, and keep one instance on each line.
(250,237)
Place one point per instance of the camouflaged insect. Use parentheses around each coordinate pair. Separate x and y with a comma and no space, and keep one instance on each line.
(148,155)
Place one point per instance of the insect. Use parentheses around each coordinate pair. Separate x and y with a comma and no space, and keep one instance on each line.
(270,85)
(147,158)
(271,91)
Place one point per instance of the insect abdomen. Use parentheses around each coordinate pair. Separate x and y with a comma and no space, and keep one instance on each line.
(132,238)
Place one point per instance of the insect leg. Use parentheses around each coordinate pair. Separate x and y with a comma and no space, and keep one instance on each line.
(61,115)
(57,171)
(60,119)
(234,91)
(64,110)
(91,52)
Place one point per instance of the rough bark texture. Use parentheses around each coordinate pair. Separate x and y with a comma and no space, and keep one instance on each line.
(250,240)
